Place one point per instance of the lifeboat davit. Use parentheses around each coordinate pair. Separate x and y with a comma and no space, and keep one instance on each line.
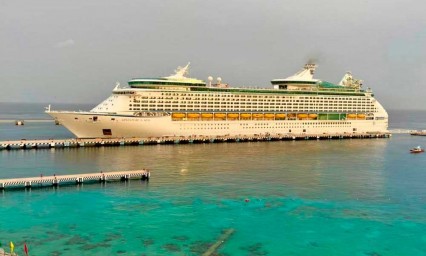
(193,115)
(280,116)
(245,115)
(206,115)
(178,115)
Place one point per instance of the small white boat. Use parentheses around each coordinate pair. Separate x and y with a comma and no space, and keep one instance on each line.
(19,122)
(417,149)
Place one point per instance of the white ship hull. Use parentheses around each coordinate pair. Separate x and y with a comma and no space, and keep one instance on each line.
(82,125)
(181,106)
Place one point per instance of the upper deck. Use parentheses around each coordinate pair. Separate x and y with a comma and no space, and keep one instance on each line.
(300,83)
(177,79)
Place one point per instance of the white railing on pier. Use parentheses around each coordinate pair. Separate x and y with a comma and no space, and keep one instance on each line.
(77,178)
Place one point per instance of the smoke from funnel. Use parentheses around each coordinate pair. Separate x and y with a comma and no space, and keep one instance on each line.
(312,61)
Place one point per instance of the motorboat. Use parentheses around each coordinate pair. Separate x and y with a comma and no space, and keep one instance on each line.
(417,149)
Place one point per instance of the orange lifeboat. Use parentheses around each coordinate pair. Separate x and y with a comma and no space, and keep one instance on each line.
(351,116)
(291,116)
(269,116)
(257,115)
(302,116)
(233,115)
(219,115)
(280,116)
(178,115)
(245,115)
(360,116)
(193,115)
(206,115)
(312,116)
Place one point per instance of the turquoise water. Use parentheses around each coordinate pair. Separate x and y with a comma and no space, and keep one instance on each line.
(340,197)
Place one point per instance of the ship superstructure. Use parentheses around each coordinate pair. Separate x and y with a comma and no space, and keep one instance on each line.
(180,106)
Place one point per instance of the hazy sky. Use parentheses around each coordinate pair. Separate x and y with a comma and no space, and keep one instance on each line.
(75,51)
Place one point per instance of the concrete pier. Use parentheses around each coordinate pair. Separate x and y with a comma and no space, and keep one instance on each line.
(105,142)
(56,180)
(212,249)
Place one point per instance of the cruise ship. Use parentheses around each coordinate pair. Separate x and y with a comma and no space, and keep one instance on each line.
(177,105)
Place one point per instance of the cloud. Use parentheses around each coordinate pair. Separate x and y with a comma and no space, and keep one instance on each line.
(66,43)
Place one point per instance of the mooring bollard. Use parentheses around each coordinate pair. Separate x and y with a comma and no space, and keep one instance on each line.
(55,181)
(144,176)
(27,184)
(125,177)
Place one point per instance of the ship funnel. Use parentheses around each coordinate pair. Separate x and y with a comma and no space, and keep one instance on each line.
(117,86)
(311,67)
(306,74)
(180,72)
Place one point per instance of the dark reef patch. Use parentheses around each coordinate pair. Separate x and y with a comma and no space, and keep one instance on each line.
(181,238)
(172,247)
(313,244)
(199,247)
(148,242)
(76,239)
(372,253)
(111,237)
(255,250)
(87,247)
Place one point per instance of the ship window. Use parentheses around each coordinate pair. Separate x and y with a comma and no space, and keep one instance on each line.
(107,131)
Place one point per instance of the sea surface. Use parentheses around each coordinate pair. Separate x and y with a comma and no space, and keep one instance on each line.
(328,197)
